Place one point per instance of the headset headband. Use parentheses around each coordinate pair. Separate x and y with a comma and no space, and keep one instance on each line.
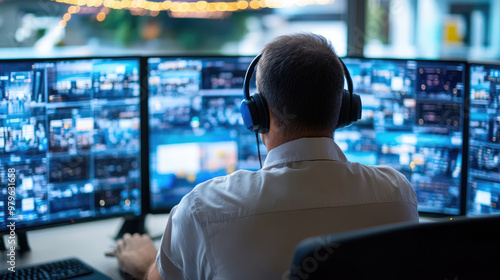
(347,76)
(255,61)
(255,112)
(249,74)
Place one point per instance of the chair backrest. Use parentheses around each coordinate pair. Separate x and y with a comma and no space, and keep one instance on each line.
(467,248)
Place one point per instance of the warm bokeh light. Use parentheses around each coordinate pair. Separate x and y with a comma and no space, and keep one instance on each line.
(222,6)
(242,5)
(185,6)
(67,16)
(254,4)
(212,7)
(101,16)
(201,5)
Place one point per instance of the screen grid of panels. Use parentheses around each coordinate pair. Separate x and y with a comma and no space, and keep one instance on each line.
(71,131)
(413,114)
(483,192)
(71,128)
(195,127)
(413,120)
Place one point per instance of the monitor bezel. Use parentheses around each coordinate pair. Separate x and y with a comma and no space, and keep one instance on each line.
(143,95)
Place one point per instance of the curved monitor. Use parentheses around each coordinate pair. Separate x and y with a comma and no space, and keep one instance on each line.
(69,140)
(195,127)
(413,119)
(484,140)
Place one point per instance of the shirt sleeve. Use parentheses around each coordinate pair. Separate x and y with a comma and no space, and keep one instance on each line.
(183,253)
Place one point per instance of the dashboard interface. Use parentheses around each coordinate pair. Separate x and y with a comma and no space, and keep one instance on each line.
(71,131)
(195,127)
(70,128)
(413,114)
(484,140)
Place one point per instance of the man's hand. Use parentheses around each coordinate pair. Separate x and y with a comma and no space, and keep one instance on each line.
(135,254)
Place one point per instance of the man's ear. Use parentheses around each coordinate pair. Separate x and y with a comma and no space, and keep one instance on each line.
(271,120)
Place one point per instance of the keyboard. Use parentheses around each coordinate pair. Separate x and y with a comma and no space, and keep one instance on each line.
(57,270)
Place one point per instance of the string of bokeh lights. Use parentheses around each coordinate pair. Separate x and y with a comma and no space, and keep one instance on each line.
(201,9)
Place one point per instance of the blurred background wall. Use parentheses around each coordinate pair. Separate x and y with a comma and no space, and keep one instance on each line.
(372,28)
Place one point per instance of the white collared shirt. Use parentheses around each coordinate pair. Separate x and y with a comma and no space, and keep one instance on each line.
(246,225)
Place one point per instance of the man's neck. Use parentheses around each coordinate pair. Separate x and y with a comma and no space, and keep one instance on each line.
(273,139)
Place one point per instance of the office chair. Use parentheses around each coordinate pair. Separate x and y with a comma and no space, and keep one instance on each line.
(468,248)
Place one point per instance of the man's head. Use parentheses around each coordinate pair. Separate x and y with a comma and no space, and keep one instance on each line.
(301,78)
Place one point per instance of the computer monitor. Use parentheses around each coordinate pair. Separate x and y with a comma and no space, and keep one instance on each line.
(484,140)
(413,118)
(195,127)
(70,134)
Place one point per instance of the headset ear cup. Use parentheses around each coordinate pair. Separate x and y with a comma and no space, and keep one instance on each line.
(351,108)
(357,108)
(250,114)
(345,110)
(255,113)
(246,114)
(262,112)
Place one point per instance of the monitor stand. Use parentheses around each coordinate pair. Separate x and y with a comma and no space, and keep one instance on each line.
(132,224)
(22,244)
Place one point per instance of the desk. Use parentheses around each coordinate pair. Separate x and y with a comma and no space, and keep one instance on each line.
(86,241)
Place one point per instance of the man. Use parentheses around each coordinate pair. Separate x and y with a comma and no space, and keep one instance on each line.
(247,224)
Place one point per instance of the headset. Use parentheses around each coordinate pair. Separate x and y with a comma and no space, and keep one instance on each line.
(255,112)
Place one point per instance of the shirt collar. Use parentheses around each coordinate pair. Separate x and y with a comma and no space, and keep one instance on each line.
(304,149)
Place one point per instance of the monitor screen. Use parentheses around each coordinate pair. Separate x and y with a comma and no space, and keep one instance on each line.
(412,121)
(195,127)
(70,134)
(484,140)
